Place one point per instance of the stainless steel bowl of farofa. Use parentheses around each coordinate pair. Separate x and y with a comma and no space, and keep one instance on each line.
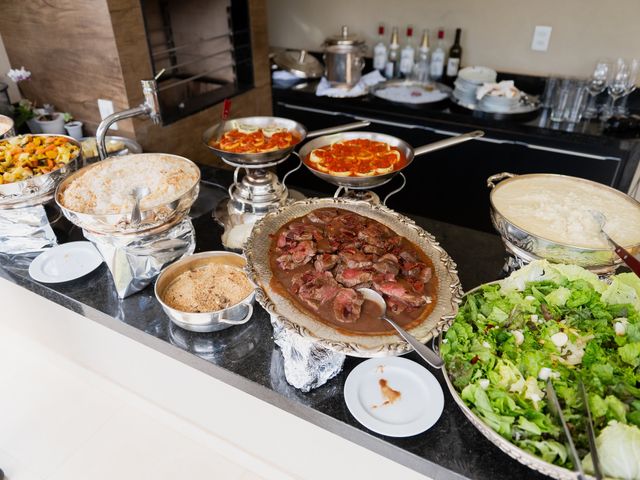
(206,292)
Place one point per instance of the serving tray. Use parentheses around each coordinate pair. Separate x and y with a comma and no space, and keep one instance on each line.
(448,296)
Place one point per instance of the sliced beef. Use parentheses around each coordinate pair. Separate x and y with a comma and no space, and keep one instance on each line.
(347,305)
(387,263)
(374,234)
(416,271)
(325,261)
(322,216)
(395,306)
(373,250)
(352,258)
(401,293)
(297,256)
(350,277)
(315,288)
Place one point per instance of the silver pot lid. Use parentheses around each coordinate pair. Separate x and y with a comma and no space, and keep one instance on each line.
(344,39)
(300,63)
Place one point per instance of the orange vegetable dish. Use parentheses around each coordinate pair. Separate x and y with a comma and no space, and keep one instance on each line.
(258,141)
(30,155)
(356,158)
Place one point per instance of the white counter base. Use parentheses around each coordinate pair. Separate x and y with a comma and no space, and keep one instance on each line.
(130,399)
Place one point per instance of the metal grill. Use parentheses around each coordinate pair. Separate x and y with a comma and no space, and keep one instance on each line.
(204,48)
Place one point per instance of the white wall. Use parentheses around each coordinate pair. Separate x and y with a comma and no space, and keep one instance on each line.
(495,33)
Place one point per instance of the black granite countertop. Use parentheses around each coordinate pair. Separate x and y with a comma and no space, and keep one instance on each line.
(247,358)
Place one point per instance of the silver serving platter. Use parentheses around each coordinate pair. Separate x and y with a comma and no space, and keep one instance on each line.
(255,122)
(449,290)
(118,223)
(515,452)
(371,181)
(530,246)
(428,87)
(38,189)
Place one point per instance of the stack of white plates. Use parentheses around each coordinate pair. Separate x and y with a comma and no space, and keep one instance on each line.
(468,81)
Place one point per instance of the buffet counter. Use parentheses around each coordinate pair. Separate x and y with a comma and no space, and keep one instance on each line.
(246,358)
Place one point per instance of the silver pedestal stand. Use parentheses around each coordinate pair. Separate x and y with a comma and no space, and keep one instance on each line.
(251,198)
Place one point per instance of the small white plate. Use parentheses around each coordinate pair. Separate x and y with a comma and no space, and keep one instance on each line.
(417,409)
(65,262)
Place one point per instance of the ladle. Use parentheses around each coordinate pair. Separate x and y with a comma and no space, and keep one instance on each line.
(632,262)
(429,356)
(138,194)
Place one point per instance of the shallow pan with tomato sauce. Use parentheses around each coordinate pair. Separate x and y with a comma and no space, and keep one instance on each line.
(351,164)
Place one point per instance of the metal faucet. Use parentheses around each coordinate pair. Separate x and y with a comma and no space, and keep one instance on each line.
(150,108)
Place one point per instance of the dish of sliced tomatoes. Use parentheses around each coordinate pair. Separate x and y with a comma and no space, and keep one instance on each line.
(356,158)
(256,141)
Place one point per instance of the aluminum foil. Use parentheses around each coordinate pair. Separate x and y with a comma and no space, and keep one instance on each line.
(25,230)
(307,365)
(135,260)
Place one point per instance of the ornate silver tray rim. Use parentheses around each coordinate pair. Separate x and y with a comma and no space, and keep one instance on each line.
(498,440)
(449,291)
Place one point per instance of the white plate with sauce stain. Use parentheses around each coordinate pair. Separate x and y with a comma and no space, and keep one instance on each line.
(65,262)
(394,396)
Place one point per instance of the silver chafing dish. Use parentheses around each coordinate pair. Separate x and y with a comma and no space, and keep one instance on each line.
(25,226)
(120,223)
(38,189)
(527,246)
(136,253)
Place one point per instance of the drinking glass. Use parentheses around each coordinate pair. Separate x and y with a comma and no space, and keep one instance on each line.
(561,100)
(576,102)
(621,82)
(548,95)
(596,84)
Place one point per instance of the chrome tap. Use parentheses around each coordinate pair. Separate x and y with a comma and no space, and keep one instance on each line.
(150,108)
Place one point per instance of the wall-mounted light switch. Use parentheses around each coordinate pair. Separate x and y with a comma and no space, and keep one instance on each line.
(541,37)
(106,109)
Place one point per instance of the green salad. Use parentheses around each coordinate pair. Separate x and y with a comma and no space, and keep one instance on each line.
(557,322)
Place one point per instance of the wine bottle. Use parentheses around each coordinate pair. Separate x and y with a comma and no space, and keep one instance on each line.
(391,68)
(437,58)
(455,55)
(407,55)
(380,51)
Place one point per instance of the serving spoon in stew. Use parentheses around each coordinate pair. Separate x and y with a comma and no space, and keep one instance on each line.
(428,355)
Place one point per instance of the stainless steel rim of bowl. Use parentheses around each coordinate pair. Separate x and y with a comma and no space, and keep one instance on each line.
(513,177)
(357,182)
(37,189)
(116,223)
(207,321)
(258,122)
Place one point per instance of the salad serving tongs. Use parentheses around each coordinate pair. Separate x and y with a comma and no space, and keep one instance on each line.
(556,411)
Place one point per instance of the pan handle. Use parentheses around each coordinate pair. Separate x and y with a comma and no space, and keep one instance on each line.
(498,177)
(339,128)
(449,142)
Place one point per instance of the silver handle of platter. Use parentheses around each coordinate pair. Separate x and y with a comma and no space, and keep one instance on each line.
(449,142)
(339,128)
(498,177)
(284,179)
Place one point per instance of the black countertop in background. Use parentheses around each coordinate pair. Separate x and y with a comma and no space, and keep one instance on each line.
(247,358)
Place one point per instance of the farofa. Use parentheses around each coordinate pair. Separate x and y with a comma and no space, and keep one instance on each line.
(209,288)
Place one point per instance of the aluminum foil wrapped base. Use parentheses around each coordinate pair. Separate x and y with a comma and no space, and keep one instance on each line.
(135,260)
(25,230)
(307,365)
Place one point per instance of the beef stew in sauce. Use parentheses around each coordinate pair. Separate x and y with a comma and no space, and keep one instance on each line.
(321,259)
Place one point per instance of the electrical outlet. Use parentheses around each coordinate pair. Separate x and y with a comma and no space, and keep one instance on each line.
(541,37)
(106,109)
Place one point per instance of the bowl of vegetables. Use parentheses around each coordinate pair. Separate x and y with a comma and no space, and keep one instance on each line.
(558,322)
